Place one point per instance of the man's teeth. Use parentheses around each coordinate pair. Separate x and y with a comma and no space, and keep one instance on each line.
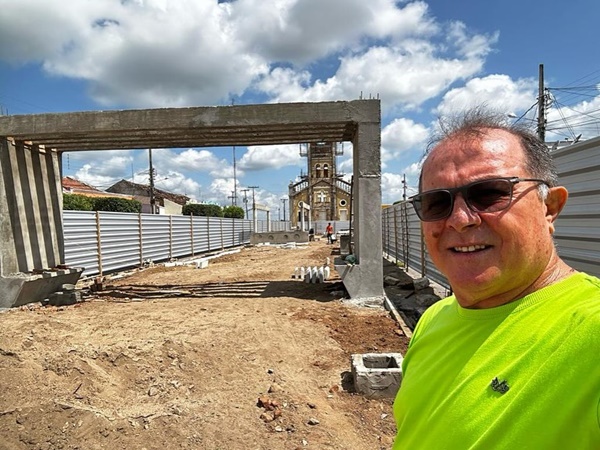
(470,248)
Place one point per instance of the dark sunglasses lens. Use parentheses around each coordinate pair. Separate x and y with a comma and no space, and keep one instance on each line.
(489,196)
(434,205)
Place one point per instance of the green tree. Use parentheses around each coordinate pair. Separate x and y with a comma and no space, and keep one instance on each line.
(117,205)
(76,202)
(234,212)
(202,209)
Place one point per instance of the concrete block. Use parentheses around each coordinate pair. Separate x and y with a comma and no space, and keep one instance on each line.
(377,375)
(202,264)
(22,288)
(63,298)
(278,237)
(344,244)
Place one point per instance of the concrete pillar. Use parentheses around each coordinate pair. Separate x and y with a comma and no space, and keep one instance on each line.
(365,278)
(31,234)
(31,229)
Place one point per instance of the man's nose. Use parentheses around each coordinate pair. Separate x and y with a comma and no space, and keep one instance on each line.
(462,217)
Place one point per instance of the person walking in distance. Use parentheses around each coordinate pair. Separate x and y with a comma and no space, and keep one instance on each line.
(511,359)
(329,233)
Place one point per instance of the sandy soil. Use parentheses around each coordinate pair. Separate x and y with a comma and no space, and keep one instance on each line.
(235,356)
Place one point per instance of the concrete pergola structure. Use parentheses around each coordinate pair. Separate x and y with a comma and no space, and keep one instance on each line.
(30,167)
(304,207)
(259,207)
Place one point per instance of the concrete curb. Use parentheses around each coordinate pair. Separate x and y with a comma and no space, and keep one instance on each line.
(389,305)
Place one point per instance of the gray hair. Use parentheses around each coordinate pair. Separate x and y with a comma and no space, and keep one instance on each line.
(474,122)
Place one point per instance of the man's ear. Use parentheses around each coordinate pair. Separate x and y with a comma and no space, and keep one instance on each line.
(555,202)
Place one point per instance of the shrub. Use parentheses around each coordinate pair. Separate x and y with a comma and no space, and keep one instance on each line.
(234,212)
(75,202)
(202,209)
(115,204)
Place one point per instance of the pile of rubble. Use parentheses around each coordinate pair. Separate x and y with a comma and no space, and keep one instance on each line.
(410,296)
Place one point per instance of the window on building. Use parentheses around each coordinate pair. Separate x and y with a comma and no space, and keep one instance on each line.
(318,171)
(325,171)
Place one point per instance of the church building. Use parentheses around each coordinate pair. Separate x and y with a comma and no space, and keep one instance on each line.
(323,189)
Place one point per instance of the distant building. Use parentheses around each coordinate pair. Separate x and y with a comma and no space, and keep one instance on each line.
(72,186)
(166,202)
(323,188)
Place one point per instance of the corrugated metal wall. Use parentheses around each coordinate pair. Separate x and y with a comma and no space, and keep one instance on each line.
(403,243)
(103,242)
(578,227)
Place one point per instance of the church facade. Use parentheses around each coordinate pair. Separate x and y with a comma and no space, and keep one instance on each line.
(322,188)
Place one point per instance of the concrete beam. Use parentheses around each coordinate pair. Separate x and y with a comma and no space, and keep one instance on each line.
(196,126)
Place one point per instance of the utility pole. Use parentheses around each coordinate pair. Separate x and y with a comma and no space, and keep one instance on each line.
(283,200)
(151,174)
(253,203)
(404,186)
(234,200)
(246,201)
(541,127)
(232,197)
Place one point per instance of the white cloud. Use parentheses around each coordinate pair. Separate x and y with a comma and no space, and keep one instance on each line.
(88,174)
(498,92)
(189,52)
(271,157)
(178,183)
(471,47)
(303,31)
(568,122)
(392,184)
(192,160)
(100,169)
(403,75)
(391,187)
(400,136)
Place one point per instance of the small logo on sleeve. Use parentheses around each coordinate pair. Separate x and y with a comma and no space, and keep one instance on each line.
(499,386)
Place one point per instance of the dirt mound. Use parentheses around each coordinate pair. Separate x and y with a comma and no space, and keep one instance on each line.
(235,356)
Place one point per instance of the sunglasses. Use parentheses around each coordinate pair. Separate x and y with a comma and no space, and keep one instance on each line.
(483,196)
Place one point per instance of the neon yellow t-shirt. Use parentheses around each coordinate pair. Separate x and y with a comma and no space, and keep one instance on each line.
(525,375)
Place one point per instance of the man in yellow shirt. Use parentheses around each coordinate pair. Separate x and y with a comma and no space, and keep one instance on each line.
(511,359)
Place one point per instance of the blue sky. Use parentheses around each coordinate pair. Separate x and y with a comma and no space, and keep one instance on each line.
(422,59)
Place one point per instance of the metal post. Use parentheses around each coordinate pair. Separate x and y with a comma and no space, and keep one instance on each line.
(151,174)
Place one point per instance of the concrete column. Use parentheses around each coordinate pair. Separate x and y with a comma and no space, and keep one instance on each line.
(365,278)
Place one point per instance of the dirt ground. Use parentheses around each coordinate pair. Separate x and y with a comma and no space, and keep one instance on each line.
(235,356)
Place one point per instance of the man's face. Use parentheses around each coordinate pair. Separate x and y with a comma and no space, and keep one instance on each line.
(489,258)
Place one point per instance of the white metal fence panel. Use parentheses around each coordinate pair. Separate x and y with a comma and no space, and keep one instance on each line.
(215,234)
(200,235)
(228,230)
(181,232)
(281,225)
(119,240)
(247,230)
(81,240)
(156,242)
